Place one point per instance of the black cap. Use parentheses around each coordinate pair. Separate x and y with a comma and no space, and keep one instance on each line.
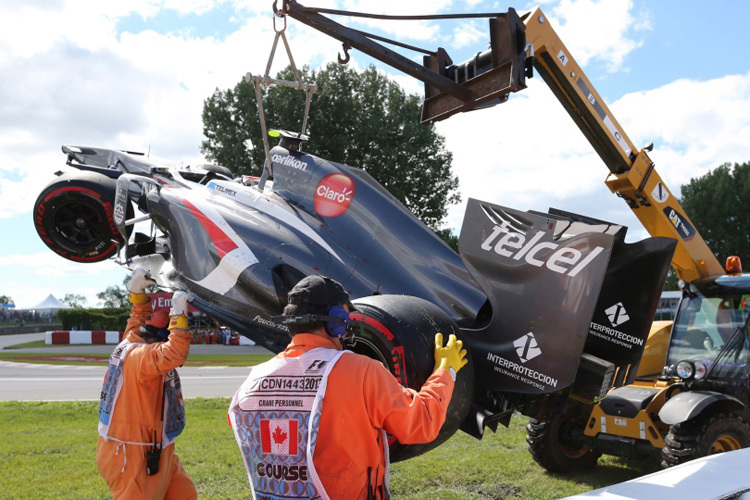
(318,290)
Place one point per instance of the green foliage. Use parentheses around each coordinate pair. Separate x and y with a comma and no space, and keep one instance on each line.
(49,450)
(114,296)
(6,299)
(74,300)
(716,203)
(449,238)
(108,318)
(670,284)
(361,119)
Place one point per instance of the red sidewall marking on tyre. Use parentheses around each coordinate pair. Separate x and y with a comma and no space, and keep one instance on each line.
(39,219)
(397,354)
(97,256)
(73,188)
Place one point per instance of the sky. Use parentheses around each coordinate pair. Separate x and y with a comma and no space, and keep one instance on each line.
(133,75)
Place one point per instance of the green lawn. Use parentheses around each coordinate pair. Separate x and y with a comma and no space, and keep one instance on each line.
(193,360)
(48,451)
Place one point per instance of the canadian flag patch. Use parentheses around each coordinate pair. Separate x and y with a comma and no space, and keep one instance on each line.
(278,436)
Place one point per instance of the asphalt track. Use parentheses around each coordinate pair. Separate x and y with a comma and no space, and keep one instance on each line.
(40,382)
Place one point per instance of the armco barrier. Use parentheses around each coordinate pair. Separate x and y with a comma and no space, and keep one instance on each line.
(82,337)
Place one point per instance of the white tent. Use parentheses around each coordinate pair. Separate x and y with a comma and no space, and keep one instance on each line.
(50,304)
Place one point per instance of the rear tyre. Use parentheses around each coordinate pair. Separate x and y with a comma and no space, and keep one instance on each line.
(553,445)
(74,217)
(399,331)
(715,432)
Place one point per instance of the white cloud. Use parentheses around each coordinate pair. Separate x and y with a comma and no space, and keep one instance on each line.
(45,272)
(50,264)
(528,153)
(599,30)
(695,125)
(68,77)
(470,35)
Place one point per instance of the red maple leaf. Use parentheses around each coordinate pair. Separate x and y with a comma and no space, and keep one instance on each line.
(278,435)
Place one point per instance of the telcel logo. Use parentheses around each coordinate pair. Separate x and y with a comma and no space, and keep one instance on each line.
(566,260)
(333,195)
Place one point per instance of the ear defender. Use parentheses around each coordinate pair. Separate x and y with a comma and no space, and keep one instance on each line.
(337,328)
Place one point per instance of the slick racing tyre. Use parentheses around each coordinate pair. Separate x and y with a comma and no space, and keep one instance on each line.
(552,442)
(706,434)
(399,331)
(73,216)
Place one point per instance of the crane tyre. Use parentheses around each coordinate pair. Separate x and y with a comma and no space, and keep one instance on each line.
(553,446)
(706,434)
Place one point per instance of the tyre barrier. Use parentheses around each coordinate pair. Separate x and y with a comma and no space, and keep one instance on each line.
(59,337)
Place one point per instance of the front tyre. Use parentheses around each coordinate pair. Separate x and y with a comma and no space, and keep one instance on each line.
(399,331)
(74,217)
(706,434)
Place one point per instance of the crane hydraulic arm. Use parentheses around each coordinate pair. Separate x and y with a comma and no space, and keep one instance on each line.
(632,174)
(519,43)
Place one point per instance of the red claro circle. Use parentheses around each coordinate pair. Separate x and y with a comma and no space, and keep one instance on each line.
(333,195)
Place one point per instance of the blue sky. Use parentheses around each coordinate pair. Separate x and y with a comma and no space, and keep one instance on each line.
(133,75)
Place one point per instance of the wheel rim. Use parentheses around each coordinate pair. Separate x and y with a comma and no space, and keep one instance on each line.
(80,223)
(367,348)
(725,442)
(566,449)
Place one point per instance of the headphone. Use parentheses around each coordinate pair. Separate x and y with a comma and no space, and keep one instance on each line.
(158,334)
(319,292)
(337,320)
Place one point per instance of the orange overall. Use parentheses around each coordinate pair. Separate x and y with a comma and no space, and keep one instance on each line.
(137,416)
(361,399)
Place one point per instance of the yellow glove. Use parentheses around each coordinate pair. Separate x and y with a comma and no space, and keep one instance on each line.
(452,357)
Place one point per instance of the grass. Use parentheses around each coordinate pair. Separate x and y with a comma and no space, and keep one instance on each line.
(48,451)
(5,324)
(194,360)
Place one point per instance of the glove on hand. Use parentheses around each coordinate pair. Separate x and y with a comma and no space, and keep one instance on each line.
(451,357)
(139,280)
(179,303)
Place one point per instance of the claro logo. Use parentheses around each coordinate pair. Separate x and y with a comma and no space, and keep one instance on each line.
(333,195)
(566,260)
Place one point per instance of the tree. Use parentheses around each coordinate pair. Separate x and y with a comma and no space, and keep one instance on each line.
(715,203)
(75,300)
(114,296)
(6,299)
(361,119)
(671,282)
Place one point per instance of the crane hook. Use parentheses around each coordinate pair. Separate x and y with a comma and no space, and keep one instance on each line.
(347,48)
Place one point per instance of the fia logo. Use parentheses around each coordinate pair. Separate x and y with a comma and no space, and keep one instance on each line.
(617,314)
(316,366)
(527,348)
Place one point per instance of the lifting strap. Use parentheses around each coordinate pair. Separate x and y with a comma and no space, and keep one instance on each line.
(266,79)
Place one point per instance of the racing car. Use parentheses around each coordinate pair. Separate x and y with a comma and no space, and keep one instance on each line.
(521,293)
